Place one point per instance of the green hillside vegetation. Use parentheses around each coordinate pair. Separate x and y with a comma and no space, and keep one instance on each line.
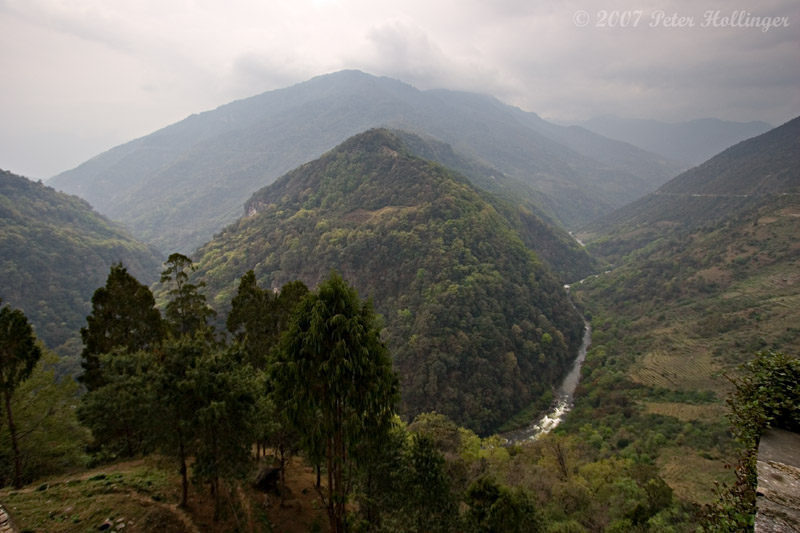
(177,186)
(54,251)
(732,185)
(478,325)
(714,281)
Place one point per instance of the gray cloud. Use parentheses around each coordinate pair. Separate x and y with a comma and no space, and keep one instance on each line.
(80,77)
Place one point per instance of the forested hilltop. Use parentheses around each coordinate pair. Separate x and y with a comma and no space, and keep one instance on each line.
(55,250)
(478,326)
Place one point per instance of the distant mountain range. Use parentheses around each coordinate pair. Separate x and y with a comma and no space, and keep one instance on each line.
(761,171)
(478,325)
(177,186)
(688,143)
(54,252)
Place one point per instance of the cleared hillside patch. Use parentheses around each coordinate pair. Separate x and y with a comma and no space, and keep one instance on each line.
(687,412)
(691,476)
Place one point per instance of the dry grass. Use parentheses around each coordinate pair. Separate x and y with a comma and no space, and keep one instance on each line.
(687,412)
(142,494)
(692,477)
(678,368)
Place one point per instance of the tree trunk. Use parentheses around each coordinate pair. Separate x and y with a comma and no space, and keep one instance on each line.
(13,432)
(282,466)
(184,477)
(331,494)
(217,497)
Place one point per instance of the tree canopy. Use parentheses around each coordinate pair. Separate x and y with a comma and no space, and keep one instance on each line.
(335,376)
(124,315)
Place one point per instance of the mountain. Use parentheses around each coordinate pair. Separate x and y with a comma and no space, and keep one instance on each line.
(688,143)
(479,327)
(733,184)
(706,273)
(55,252)
(177,186)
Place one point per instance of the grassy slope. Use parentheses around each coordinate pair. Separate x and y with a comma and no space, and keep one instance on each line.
(142,494)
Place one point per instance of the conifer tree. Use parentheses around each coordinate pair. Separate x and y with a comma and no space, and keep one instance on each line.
(186,312)
(124,315)
(335,378)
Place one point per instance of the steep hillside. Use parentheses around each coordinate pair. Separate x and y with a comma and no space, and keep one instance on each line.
(176,187)
(478,326)
(735,182)
(54,252)
(689,143)
(707,273)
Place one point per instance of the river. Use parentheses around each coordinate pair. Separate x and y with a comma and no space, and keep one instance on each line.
(563,403)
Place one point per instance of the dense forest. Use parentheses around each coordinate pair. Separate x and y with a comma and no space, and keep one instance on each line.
(54,251)
(478,324)
(342,355)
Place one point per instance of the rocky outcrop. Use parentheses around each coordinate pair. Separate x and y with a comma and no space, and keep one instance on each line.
(778,493)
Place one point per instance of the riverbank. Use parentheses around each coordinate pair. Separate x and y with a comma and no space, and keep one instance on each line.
(562,403)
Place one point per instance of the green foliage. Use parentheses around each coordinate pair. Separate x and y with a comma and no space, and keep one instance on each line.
(335,376)
(767,395)
(117,411)
(19,354)
(495,508)
(258,317)
(222,424)
(123,316)
(186,311)
(176,402)
(428,503)
(55,252)
(466,304)
(51,441)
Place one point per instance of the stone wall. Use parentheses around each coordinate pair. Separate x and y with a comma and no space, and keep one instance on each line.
(778,495)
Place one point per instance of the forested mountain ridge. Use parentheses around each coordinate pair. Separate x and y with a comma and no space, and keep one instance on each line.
(478,326)
(734,182)
(512,199)
(177,186)
(54,252)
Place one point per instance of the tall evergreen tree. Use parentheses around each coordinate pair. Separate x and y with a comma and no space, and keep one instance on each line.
(173,414)
(19,354)
(186,312)
(335,378)
(124,315)
(258,317)
(250,320)
(223,422)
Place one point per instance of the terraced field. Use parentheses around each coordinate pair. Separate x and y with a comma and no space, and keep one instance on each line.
(679,367)
(691,476)
(687,412)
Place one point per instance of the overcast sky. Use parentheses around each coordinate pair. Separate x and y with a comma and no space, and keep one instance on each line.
(78,77)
